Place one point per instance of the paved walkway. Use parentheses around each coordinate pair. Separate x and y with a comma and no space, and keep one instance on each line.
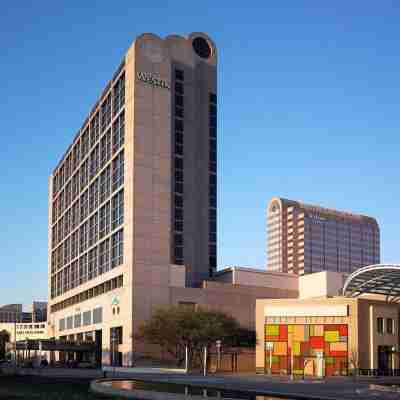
(338,388)
(334,388)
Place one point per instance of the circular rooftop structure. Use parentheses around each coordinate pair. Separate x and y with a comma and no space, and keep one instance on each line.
(382,279)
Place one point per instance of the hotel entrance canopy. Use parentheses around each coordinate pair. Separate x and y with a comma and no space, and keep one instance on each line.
(383,279)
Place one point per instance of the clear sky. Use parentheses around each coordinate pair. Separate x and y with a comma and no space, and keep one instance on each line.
(308,109)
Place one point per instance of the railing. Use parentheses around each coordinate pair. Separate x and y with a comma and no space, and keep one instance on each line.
(379,372)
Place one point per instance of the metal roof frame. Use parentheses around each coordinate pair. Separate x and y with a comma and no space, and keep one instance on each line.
(383,279)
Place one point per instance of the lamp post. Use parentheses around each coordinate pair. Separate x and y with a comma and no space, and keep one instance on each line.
(113,345)
(270,346)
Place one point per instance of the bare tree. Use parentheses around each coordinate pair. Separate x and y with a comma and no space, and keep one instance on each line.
(354,362)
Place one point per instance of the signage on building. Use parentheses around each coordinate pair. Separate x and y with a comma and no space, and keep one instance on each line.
(149,78)
(316,218)
(115,301)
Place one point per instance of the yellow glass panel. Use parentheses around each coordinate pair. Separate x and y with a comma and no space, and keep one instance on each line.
(318,330)
(331,336)
(290,328)
(296,348)
(280,349)
(299,333)
(272,330)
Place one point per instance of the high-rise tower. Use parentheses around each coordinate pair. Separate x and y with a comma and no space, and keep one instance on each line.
(135,196)
(304,238)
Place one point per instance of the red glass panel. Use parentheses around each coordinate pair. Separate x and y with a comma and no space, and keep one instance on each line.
(283,332)
(343,330)
(317,342)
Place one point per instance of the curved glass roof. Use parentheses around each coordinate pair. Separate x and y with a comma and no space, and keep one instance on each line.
(383,279)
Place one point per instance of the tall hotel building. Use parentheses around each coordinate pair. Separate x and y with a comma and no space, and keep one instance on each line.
(303,238)
(133,201)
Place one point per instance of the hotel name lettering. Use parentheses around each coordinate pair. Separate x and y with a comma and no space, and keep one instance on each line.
(149,78)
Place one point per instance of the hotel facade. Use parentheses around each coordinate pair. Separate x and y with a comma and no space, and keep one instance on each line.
(132,203)
(304,238)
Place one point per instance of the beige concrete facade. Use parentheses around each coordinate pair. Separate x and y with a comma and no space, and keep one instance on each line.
(304,238)
(132,203)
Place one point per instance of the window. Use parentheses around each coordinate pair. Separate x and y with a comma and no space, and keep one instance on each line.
(66,250)
(75,215)
(118,133)
(379,322)
(118,171)
(83,269)
(179,75)
(92,264)
(87,318)
(84,204)
(85,143)
(106,113)
(61,324)
(119,94)
(76,154)
(117,209)
(94,129)
(70,322)
(68,195)
(83,237)
(84,174)
(94,161)
(179,124)
(104,182)
(104,256)
(389,326)
(105,148)
(94,195)
(179,87)
(75,186)
(77,320)
(104,220)
(117,244)
(74,274)
(98,315)
(93,229)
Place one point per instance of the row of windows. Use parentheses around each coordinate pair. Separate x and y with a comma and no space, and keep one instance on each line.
(98,158)
(99,190)
(92,230)
(178,167)
(97,261)
(81,319)
(95,291)
(385,326)
(212,197)
(100,121)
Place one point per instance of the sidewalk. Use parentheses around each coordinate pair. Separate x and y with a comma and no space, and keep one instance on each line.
(342,388)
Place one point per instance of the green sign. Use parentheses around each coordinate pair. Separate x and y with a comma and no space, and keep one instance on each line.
(115,301)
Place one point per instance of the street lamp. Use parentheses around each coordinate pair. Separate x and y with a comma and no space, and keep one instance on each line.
(114,338)
(269,346)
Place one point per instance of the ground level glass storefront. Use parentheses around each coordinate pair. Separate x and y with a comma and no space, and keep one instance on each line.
(329,336)
(306,349)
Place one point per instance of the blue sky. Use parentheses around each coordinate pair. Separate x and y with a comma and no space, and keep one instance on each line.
(308,109)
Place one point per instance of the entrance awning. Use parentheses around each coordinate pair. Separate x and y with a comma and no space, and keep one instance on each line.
(55,345)
(383,279)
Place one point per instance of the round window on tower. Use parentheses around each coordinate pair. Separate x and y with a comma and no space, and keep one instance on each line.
(201,47)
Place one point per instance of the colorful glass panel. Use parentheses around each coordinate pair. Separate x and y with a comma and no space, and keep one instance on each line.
(307,343)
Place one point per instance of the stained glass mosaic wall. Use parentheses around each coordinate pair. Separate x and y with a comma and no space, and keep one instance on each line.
(309,345)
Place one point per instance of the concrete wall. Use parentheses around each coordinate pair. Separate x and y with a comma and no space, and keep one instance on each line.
(320,284)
